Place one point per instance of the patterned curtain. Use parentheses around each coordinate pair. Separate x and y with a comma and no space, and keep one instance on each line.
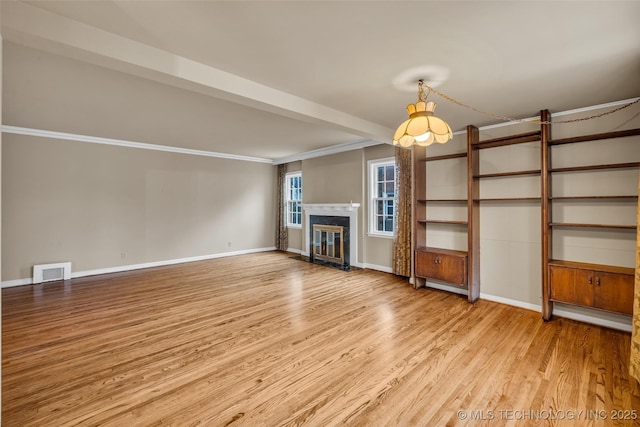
(634,367)
(402,240)
(282,237)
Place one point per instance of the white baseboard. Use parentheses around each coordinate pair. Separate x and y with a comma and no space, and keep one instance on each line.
(295,251)
(446,288)
(626,327)
(17,282)
(561,313)
(593,320)
(121,268)
(378,267)
(513,302)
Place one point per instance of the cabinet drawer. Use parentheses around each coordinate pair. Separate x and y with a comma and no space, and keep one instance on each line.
(447,266)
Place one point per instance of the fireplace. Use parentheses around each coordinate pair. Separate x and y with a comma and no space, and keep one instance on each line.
(328,243)
(330,232)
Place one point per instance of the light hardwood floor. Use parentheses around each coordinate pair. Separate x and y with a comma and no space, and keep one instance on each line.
(267,340)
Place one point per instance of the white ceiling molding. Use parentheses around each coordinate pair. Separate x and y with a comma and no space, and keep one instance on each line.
(41,29)
(129,144)
(41,133)
(340,148)
(594,107)
(558,114)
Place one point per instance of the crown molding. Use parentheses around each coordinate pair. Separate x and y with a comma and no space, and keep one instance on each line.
(558,114)
(334,149)
(124,143)
(41,133)
(339,148)
(594,107)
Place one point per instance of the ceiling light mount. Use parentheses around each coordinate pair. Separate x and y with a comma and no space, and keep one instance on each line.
(422,128)
(431,75)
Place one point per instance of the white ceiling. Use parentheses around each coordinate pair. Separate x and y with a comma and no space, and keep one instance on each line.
(324,69)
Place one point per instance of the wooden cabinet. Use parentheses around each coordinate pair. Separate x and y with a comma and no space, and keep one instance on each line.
(591,285)
(442,264)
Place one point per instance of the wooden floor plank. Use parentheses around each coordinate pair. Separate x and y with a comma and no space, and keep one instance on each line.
(267,339)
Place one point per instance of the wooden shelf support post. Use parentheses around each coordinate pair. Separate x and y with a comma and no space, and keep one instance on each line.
(473,213)
(545,192)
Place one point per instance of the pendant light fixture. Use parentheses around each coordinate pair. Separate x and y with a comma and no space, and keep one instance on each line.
(422,128)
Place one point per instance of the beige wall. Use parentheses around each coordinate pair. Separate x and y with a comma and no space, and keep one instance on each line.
(103,206)
(342,178)
(335,179)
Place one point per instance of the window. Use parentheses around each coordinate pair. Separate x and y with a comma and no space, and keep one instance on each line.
(293,199)
(382,189)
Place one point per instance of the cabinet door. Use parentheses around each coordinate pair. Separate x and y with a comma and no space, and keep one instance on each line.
(613,292)
(571,286)
(454,269)
(438,266)
(427,265)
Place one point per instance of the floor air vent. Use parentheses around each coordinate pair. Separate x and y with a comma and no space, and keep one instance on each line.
(51,272)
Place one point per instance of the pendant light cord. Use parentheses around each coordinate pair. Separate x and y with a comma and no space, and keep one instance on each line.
(511,119)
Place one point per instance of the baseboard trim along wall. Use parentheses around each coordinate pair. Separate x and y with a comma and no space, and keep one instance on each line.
(626,327)
(121,268)
(446,288)
(376,267)
(561,313)
(593,320)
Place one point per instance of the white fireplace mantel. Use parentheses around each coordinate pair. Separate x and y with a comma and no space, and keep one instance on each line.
(333,209)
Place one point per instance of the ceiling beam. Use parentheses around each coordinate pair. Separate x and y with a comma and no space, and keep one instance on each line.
(34,27)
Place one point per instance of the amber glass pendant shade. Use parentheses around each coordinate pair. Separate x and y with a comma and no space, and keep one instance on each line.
(422,128)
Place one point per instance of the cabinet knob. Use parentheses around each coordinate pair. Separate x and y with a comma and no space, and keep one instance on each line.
(598,281)
(590,280)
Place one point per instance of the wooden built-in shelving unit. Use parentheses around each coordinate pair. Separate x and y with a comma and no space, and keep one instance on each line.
(473,200)
(601,287)
(446,265)
(596,286)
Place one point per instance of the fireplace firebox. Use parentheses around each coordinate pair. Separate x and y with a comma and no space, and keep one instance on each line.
(329,241)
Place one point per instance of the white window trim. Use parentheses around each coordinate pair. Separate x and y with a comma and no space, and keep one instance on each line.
(372,165)
(286,198)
